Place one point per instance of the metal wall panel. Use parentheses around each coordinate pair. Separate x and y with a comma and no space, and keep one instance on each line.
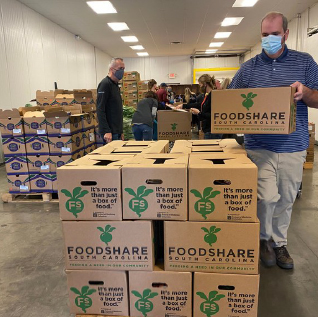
(102,63)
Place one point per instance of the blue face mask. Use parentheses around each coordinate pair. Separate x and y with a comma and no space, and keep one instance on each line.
(119,74)
(272,44)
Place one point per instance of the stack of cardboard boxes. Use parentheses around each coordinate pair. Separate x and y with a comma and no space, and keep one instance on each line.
(310,158)
(109,203)
(129,89)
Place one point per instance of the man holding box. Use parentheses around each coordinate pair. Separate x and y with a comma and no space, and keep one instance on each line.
(279,158)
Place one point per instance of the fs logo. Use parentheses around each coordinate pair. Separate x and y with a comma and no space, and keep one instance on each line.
(74,204)
(138,204)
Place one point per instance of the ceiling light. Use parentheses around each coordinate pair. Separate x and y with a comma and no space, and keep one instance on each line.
(102,7)
(222,35)
(118,26)
(216,44)
(142,54)
(244,3)
(231,21)
(210,51)
(137,47)
(129,38)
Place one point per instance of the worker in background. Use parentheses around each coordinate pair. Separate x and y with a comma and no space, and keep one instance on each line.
(152,85)
(109,102)
(162,96)
(279,158)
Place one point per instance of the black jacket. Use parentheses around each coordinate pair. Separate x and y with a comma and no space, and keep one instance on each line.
(196,104)
(109,107)
(205,115)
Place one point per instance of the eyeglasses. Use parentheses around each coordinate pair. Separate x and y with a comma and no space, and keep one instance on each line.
(121,68)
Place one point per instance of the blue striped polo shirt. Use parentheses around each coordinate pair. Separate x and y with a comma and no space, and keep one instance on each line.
(262,71)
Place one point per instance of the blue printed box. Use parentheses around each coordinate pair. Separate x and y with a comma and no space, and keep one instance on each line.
(37,144)
(18,183)
(41,182)
(14,145)
(16,164)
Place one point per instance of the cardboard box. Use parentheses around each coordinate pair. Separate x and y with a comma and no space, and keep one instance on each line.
(254,111)
(219,189)
(131,76)
(225,295)
(34,123)
(130,95)
(56,161)
(83,97)
(130,86)
(39,163)
(11,123)
(89,137)
(16,164)
(109,245)
(64,99)
(174,125)
(41,182)
(88,121)
(142,94)
(155,187)
(45,98)
(90,188)
(143,85)
(54,182)
(98,292)
(66,144)
(131,103)
(14,145)
(18,183)
(214,247)
(37,144)
(89,149)
(160,293)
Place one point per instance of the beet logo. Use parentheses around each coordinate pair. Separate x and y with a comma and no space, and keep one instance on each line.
(174,126)
(248,102)
(83,300)
(143,304)
(204,205)
(209,307)
(210,236)
(138,204)
(74,204)
(106,236)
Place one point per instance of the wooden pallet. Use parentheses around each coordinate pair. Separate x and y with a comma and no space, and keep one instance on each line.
(29,198)
(308,165)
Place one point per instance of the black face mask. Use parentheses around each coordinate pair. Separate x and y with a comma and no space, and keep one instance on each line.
(203,89)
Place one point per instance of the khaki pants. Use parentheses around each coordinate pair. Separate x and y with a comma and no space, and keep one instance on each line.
(279,179)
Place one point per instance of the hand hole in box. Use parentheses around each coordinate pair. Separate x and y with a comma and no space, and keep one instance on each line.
(226,288)
(154,181)
(159,285)
(222,182)
(88,183)
(95,282)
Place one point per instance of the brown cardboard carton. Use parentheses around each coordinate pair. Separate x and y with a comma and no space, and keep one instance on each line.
(95,180)
(131,95)
(34,123)
(131,76)
(142,94)
(129,86)
(155,187)
(65,99)
(72,109)
(219,189)
(37,144)
(106,292)
(83,97)
(174,125)
(168,293)
(225,295)
(66,144)
(109,245)
(131,103)
(14,145)
(88,121)
(143,85)
(45,98)
(11,123)
(18,183)
(254,110)
(39,163)
(41,182)
(60,160)
(216,247)
(16,164)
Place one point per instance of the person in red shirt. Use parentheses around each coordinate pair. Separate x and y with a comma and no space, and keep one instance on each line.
(162,94)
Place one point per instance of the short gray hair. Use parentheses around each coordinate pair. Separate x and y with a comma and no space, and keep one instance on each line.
(114,61)
(274,14)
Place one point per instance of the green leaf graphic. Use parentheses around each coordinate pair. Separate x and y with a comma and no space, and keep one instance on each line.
(249,95)
(213,194)
(212,295)
(140,190)
(131,192)
(207,191)
(66,193)
(146,293)
(76,191)
(202,295)
(75,290)
(82,194)
(196,193)
(152,295)
(205,230)
(218,297)
(137,294)
(212,228)
(100,229)
(90,292)
(146,193)
(244,96)
(107,227)
(84,290)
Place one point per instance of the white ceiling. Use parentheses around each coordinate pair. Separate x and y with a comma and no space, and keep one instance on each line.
(156,23)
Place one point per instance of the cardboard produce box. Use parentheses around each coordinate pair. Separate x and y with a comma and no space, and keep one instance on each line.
(66,144)
(254,111)
(109,245)
(45,98)
(143,85)
(18,183)
(131,103)
(64,99)
(90,188)
(130,86)
(89,149)
(83,97)
(98,292)
(11,123)
(130,95)
(14,145)
(34,123)
(37,144)
(174,125)
(131,76)
(219,189)
(142,94)
(225,295)
(215,247)
(155,187)
(160,293)
(56,161)
(41,182)
(39,163)
(16,164)
(88,121)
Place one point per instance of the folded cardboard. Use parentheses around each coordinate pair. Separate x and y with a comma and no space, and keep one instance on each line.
(37,144)
(254,111)
(131,76)
(216,247)
(109,245)
(130,95)
(130,86)
(66,144)
(16,164)
(160,293)
(41,182)
(39,163)
(155,187)
(131,103)
(11,123)
(98,292)
(219,189)
(90,188)
(14,145)
(18,183)
(34,123)
(225,295)
(174,125)
(45,98)
(143,85)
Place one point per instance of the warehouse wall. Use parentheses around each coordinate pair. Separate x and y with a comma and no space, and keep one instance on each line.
(35,52)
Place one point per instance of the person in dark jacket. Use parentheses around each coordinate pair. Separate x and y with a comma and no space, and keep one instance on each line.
(109,103)
(207,84)
(143,117)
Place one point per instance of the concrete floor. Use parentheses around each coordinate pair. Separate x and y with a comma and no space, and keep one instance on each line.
(33,284)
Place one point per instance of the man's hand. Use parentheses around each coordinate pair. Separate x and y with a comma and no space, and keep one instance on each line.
(299,90)
(179,106)
(108,137)
(122,137)
(195,111)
